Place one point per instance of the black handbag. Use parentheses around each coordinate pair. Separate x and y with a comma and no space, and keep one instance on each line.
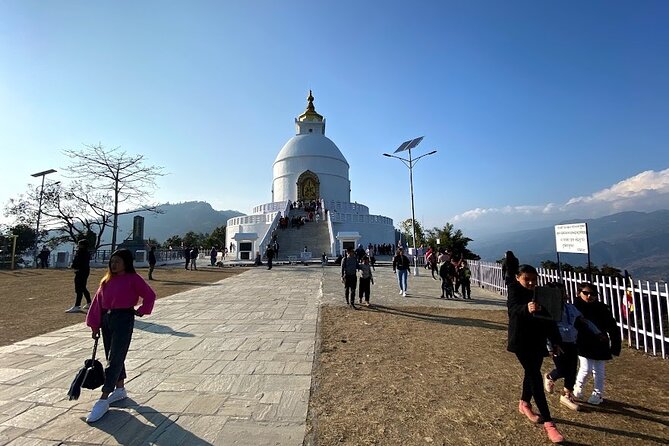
(91,376)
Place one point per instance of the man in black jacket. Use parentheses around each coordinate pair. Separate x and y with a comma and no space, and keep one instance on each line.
(401,268)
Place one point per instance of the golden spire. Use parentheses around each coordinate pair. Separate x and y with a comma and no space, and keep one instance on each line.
(310,113)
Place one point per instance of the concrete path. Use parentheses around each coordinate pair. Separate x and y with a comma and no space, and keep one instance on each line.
(225,364)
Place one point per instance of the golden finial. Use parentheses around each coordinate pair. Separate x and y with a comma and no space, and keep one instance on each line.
(310,113)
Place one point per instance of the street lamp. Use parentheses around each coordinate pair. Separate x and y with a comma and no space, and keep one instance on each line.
(39,206)
(408,145)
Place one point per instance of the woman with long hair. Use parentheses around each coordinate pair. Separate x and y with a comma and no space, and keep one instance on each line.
(527,339)
(113,313)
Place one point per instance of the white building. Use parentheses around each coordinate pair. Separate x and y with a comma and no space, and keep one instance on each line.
(309,167)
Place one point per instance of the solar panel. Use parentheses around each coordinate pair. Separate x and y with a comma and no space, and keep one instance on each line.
(406,145)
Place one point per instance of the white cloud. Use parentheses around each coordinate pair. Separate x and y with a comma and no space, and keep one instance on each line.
(647,191)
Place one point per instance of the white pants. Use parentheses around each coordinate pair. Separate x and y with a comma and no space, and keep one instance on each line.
(594,366)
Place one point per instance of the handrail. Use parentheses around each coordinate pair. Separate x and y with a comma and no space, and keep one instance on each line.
(333,245)
(275,222)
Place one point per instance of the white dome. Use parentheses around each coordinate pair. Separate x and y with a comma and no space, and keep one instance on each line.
(310,145)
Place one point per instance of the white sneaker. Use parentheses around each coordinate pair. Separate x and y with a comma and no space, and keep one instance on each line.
(578,393)
(401,291)
(565,400)
(595,399)
(86,307)
(404,294)
(99,409)
(117,395)
(74,309)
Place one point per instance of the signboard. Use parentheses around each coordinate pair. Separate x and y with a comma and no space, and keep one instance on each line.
(572,238)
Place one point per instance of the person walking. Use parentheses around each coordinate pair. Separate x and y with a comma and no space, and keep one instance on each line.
(366,280)
(349,276)
(527,338)
(401,268)
(82,269)
(594,351)
(193,258)
(187,256)
(270,256)
(152,261)
(112,313)
(44,257)
(465,275)
(213,254)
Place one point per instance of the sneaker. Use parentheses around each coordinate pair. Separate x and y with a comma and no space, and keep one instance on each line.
(566,400)
(578,392)
(74,309)
(401,292)
(549,384)
(99,409)
(86,307)
(595,398)
(117,395)
(554,435)
(526,409)
(404,294)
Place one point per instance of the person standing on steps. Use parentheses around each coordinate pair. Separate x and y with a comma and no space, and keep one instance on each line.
(401,268)
(82,269)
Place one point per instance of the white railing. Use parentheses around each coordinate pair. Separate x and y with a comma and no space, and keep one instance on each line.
(328,218)
(640,309)
(262,246)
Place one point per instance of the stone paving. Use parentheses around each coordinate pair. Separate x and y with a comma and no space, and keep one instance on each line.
(225,364)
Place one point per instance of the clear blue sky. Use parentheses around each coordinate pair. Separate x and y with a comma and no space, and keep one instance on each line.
(527,102)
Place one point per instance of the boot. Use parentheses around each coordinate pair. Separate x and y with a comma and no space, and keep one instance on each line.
(554,435)
(526,409)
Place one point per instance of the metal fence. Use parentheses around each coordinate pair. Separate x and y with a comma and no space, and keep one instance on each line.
(639,308)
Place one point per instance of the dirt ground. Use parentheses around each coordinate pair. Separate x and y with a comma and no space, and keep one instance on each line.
(33,301)
(430,376)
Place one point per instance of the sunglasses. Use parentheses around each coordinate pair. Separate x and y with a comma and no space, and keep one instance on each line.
(590,293)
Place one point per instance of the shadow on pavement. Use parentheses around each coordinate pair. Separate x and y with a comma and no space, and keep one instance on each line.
(633,436)
(144,425)
(465,322)
(160,329)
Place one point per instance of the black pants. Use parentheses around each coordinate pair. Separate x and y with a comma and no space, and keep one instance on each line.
(350,281)
(365,288)
(117,326)
(466,288)
(80,279)
(533,384)
(565,365)
(269,263)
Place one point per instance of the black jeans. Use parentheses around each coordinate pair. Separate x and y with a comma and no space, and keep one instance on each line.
(80,279)
(533,384)
(269,262)
(117,326)
(466,288)
(350,281)
(365,288)
(565,365)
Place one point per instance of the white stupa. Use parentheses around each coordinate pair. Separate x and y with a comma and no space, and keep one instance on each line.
(308,168)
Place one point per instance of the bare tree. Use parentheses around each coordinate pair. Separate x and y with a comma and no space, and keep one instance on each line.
(125,177)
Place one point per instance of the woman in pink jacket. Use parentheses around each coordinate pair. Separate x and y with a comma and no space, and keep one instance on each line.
(113,312)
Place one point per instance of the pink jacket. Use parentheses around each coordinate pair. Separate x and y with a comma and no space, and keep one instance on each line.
(122,291)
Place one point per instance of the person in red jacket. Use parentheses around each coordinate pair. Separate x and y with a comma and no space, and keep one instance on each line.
(113,312)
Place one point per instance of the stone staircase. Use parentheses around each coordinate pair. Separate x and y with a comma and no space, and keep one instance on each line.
(313,235)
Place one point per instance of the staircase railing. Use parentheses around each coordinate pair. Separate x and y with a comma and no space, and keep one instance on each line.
(262,246)
(326,215)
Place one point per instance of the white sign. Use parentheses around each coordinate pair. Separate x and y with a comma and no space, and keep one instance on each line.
(572,238)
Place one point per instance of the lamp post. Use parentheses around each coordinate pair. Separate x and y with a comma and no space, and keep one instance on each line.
(408,145)
(39,206)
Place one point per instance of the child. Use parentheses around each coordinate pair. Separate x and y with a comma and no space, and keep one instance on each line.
(365,280)
(465,274)
(565,362)
(349,277)
(527,339)
(593,351)
(113,312)
(446,272)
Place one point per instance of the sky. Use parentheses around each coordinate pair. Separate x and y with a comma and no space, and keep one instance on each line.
(539,111)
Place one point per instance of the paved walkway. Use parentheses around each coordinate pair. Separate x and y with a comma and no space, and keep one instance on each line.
(225,364)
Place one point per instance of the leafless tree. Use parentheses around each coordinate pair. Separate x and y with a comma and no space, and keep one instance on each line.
(123,177)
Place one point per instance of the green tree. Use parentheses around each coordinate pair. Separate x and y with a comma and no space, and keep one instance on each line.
(216,238)
(192,239)
(173,242)
(407,232)
(451,239)
(26,237)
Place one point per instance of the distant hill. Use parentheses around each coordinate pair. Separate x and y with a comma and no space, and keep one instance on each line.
(176,219)
(636,241)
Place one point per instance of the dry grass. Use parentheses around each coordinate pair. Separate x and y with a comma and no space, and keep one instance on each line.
(417,376)
(33,301)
